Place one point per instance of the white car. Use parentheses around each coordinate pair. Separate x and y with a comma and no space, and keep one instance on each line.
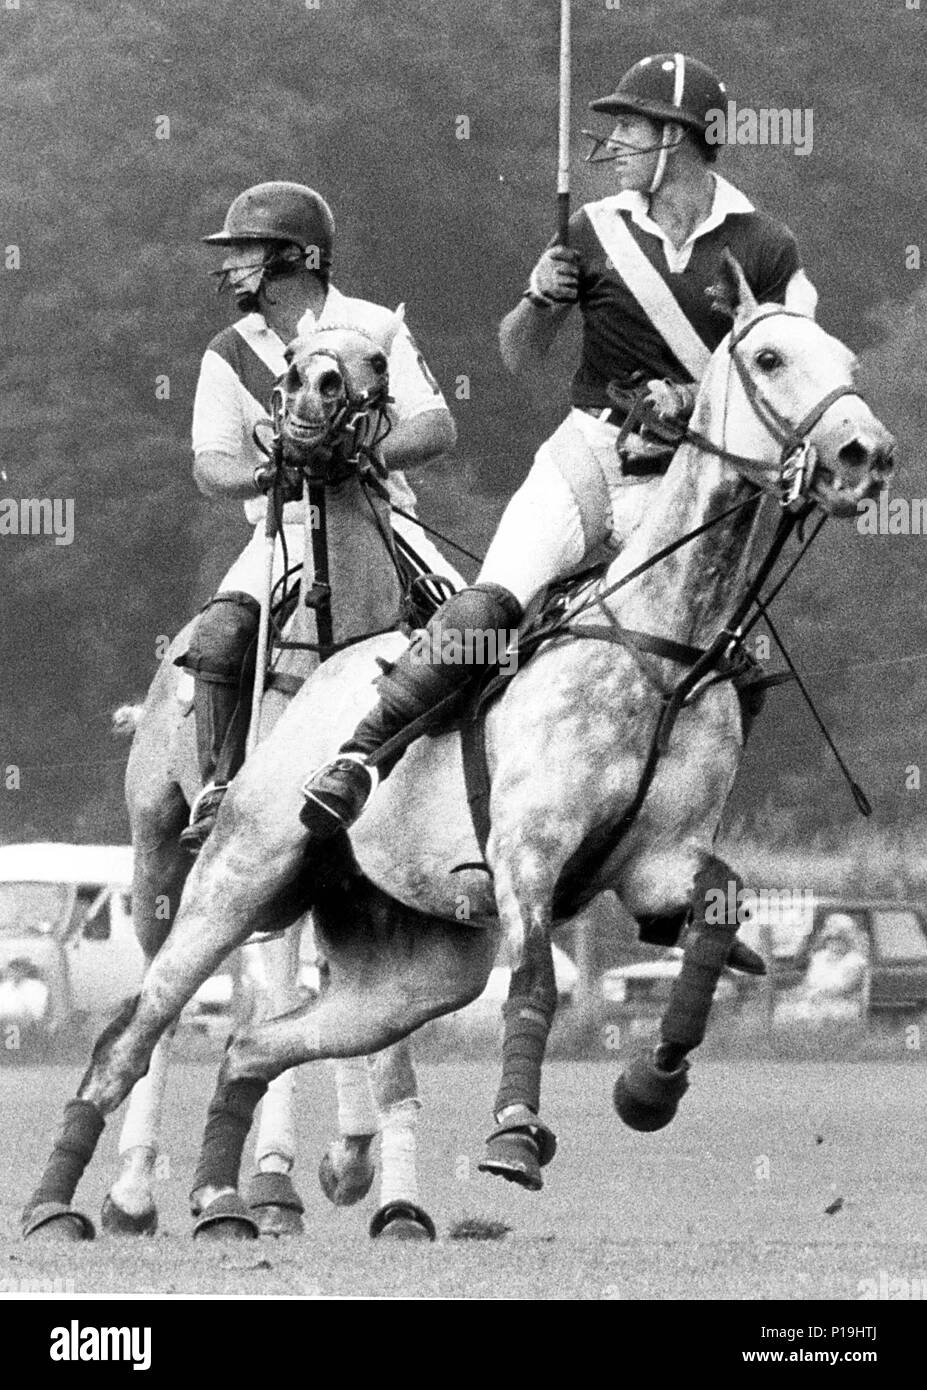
(68,954)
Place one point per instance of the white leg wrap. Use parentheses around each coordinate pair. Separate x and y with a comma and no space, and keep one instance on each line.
(275,1146)
(142,1124)
(357,1111)
(398,1176)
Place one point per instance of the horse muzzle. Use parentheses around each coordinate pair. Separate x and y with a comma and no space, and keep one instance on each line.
(858,471)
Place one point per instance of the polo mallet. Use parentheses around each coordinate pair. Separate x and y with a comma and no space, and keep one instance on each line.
(563,153)
(263,637)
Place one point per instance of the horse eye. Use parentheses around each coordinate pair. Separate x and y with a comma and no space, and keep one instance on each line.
(378,363)
(768,360)
(293,379)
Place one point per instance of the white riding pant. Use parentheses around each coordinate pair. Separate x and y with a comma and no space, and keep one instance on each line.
(541,537)
(247,573)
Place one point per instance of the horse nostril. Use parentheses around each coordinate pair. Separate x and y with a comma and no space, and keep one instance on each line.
(854,454)
(330,383)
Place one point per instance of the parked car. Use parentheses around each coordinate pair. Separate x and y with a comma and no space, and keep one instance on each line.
(68,955)
(894,933)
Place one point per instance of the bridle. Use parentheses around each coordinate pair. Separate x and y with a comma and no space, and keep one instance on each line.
(357,428)
(798,456)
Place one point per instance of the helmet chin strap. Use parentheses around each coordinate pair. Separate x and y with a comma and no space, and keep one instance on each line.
(665,147)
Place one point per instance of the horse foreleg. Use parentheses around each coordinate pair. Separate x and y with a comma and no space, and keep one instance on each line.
(129,1208)
(648,1092)
(160,871)
(346,1171)
(521,1144)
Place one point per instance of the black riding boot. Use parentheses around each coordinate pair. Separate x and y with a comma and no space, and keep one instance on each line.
(221,657)
(471,630)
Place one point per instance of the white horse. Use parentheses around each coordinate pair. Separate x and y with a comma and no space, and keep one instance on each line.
(601,778)
(162,779)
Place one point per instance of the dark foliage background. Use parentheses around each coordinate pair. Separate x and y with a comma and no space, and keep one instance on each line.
(361,99)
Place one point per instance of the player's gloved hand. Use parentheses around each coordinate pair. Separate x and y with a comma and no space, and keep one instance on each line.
(266,475)
(555,278)
(670,400)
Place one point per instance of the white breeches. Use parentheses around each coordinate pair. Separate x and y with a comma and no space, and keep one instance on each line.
(540,537)
(247,573)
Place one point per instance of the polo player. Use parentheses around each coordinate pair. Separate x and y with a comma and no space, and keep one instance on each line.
(280,238)
(639,264)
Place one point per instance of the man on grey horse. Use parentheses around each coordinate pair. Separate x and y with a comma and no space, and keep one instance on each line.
(639,264)
(279,238)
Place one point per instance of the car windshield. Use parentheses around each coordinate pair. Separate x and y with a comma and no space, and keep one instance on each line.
(32,909)
(899,936)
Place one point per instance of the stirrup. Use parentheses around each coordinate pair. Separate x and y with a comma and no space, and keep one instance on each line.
(334,797)
(203,814)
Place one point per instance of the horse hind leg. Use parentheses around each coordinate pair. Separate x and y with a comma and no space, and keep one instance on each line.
(648,1092)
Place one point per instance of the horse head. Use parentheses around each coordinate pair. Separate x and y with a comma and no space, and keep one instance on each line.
(330,404)
(785,389)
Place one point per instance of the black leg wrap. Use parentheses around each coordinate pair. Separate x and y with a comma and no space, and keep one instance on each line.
(74,1148)
(228,1123)
(527,1029)
(705,953)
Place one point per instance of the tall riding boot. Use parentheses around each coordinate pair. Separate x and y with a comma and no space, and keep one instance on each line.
(471,630)
(221,657)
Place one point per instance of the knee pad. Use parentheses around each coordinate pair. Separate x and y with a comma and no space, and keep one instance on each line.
(222,644)
(466,624)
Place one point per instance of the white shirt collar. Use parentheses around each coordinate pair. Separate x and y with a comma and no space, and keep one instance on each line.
(727,200)
(255,323)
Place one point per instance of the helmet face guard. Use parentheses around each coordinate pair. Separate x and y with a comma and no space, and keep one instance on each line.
(248,279)
(605,149)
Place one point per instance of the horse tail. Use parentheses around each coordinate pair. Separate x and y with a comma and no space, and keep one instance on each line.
(125,720)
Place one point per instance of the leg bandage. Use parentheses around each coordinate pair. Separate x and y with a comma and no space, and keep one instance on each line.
(398,1175)
(357,1111)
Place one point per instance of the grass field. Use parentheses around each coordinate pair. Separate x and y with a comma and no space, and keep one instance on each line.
(729,1202)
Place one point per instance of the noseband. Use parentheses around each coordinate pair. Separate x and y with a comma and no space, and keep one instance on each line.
(358,426)
(798,457)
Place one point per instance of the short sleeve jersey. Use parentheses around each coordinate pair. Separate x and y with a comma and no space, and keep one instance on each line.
(618,338)
(242,362)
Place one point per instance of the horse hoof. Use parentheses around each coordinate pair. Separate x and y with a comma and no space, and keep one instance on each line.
(517,1150)
(275,1205)
(645,1097)
(118,1222)
(349,1182)
(56,1221)
(402,1221)
(226,1218)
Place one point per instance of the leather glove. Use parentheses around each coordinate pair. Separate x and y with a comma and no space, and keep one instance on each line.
(555,278)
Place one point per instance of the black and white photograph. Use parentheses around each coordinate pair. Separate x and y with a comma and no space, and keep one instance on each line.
(463,519)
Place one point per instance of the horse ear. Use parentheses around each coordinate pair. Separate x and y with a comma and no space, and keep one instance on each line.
(396,321)
(730,294)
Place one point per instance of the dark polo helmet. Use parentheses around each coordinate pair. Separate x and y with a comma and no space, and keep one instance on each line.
(280,211)
(667,87)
